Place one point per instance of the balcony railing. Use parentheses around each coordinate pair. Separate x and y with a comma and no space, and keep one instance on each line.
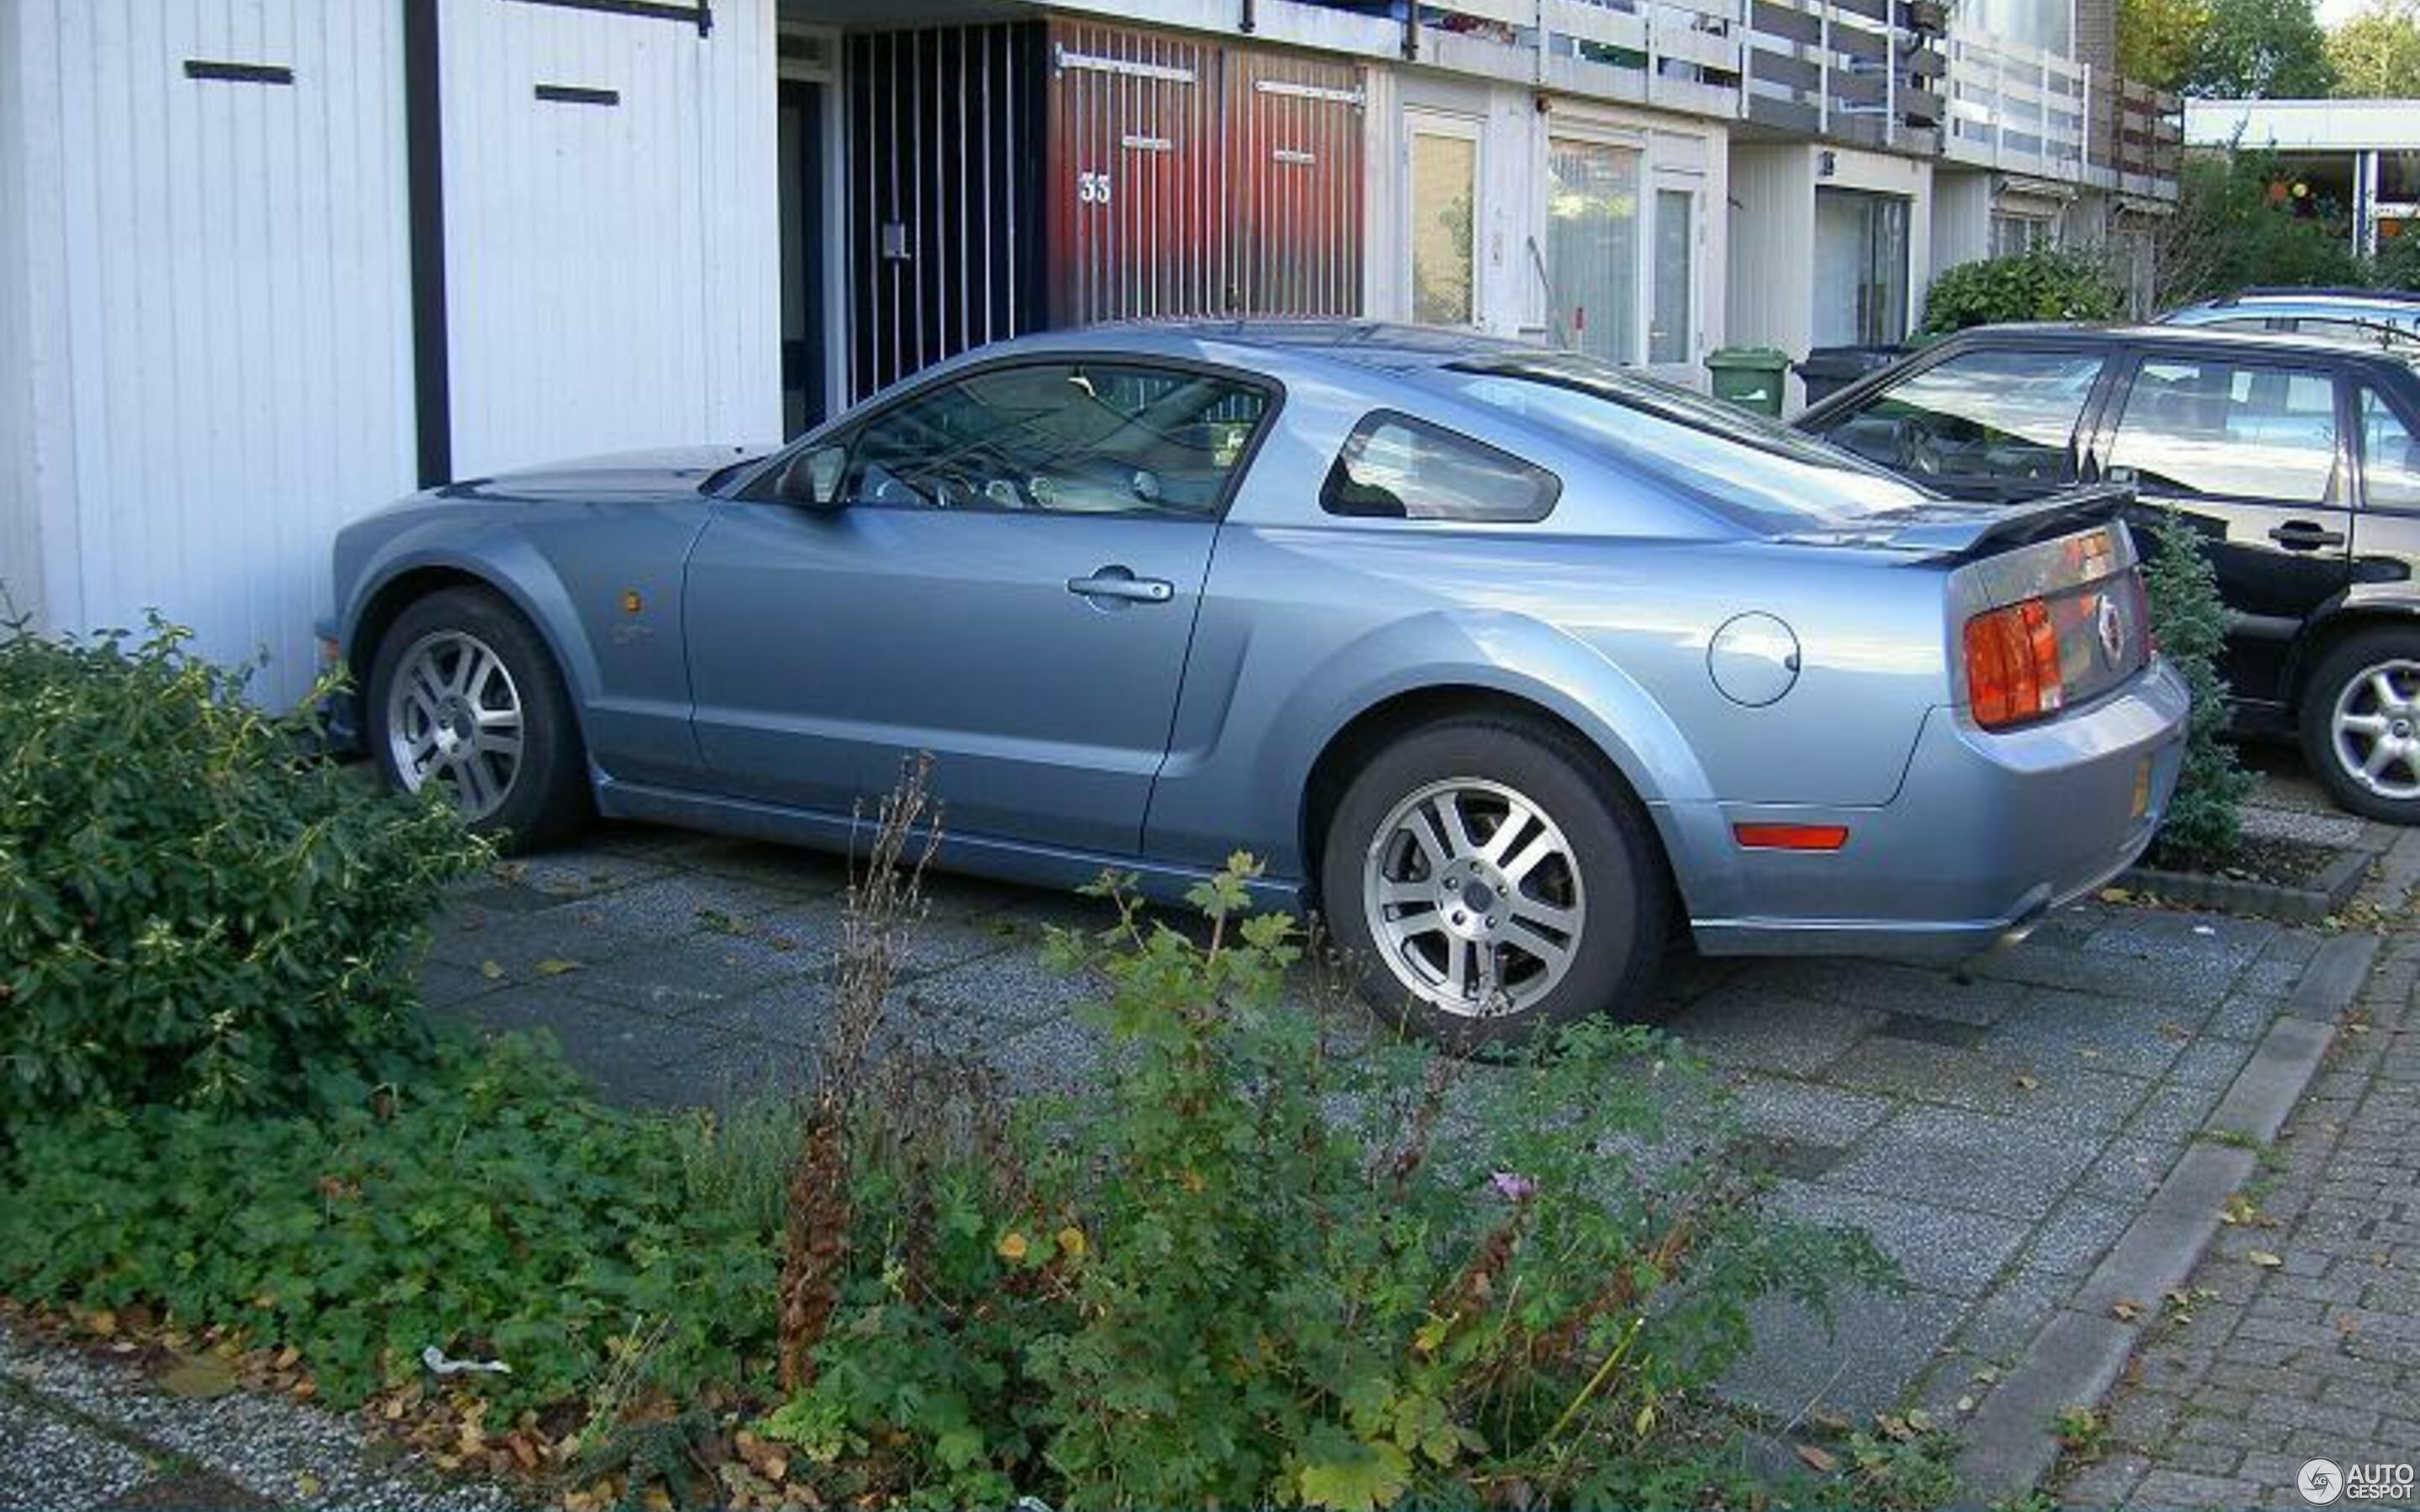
(1884,73)
(2022,110)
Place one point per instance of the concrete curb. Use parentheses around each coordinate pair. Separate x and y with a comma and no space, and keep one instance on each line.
(2329,891)
(2079,1354)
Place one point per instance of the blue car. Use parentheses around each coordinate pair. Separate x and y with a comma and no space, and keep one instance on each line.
(1509,663)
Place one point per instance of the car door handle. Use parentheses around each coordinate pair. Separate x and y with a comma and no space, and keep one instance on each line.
(1119,582)
(2302,535)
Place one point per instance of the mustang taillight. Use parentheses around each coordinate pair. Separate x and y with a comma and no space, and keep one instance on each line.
(2036,656)
(2012,667)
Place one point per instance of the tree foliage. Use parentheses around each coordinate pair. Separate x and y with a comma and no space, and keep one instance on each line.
(2157,40)
(2260,50)
(2232,230)
(2377,53)
(2043,283)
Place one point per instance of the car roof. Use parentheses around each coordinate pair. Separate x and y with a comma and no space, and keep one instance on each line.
(1383,345)
(2079,334)
(2331,295)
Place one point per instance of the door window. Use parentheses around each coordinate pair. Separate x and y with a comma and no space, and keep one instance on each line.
(1983,414)
(2390,458)
(2214,426)
(1061,438)
(1593,247)
(1860,268)
(1445,226)
(1667,338)
(1394,466)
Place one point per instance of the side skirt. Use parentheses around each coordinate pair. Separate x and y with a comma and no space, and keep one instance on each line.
(1039,866)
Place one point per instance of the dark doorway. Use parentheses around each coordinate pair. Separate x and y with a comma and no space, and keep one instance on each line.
(805,231)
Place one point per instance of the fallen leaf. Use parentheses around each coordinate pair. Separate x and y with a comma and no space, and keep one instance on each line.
(2027,1084)
(199,1377)
(1921,1420)
(492,971)
(1965,1404)
(1818,1459)
(1829,1420)
(2116,895)
(554,967)
(2262,1258)
(306,1484)
(2126,1310)
(1987,1374)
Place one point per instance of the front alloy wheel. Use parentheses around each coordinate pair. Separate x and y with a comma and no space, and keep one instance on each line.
(464,696)
(454,717)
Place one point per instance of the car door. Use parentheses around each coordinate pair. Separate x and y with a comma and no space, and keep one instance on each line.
(1005,576)
(2249,447)
(1991,422)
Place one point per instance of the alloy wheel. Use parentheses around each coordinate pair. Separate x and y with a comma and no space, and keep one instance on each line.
(1473,897)
(454,716)
(2376,729)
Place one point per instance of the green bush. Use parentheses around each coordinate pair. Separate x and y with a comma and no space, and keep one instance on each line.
(193,909)
(1263,1266)
(485,1205)
(2204,822)
(2045,284)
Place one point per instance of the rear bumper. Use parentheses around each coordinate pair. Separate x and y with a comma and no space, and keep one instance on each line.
(1989,832)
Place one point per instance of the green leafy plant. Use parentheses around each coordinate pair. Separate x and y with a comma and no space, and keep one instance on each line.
(485,1205)
(1274,1260)
(2240,221)
(194,908)
(2045,284)
(2205,819)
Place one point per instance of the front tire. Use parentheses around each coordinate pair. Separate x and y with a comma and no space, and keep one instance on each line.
(1491,882)
(463,693)
(2359,722)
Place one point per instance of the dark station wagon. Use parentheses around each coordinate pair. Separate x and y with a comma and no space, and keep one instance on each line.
(2297,458)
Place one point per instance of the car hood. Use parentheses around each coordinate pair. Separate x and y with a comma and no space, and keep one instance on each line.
(667,471)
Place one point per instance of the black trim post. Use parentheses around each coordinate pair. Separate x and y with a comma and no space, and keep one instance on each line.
(425,179)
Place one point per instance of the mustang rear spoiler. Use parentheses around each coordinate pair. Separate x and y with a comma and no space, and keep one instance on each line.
(1970,532)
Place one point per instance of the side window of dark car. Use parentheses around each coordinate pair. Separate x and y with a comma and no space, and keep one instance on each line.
(1069,437)
(1394,466)
(1993,413)
(2390,457)
(2221,426)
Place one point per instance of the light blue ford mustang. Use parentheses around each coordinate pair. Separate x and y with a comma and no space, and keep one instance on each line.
(1505,659)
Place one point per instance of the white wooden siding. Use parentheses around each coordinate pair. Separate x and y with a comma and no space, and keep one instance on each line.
(612,270)
(217,329)
(21,542)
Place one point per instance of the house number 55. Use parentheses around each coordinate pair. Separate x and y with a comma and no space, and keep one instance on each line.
(1092,188)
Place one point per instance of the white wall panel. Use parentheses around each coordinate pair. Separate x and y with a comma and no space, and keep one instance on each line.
(21,542)
(612,270)
(217,326)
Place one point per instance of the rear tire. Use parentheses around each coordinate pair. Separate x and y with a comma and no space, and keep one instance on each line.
(462,692)
(2360,723)
(1491,882)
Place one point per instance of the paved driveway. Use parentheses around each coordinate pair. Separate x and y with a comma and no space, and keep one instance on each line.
(1995,1127)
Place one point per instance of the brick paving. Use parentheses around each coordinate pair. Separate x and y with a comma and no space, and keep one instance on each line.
(2318,1354)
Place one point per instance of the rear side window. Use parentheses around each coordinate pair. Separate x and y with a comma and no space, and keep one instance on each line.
(1394,466)
(1998,414)
(2216,425)
(2390,458)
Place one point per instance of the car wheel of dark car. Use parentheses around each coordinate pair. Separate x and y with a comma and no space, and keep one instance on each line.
(463,693)
(2361,723)
(1490,883)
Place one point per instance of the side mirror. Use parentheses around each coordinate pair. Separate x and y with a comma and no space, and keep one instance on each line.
(812,477)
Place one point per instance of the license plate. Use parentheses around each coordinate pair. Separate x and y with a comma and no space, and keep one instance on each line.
(2142,788)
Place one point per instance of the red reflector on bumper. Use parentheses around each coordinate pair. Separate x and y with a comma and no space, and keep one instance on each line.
(1790,836)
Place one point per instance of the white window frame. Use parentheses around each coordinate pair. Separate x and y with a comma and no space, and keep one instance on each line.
(1424,120)
(1692,183)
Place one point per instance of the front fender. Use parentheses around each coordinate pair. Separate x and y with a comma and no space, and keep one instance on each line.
(496,556)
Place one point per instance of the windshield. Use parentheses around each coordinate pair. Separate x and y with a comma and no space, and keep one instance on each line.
(1749,470)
